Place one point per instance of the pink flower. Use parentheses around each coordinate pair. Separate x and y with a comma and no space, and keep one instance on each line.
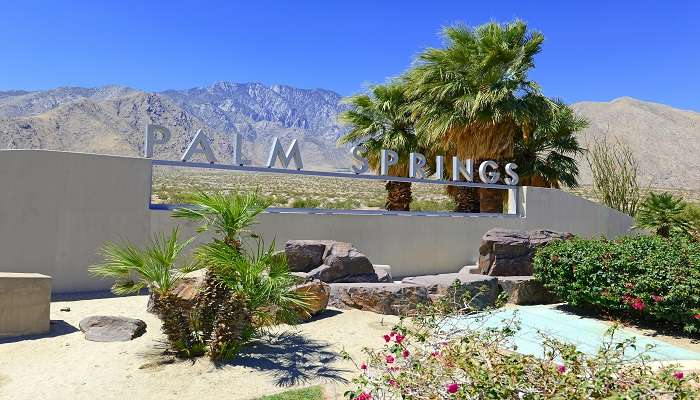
(387,338)
(561,369)
(435,353)
(696,316)
(363,366)
(399,338)
(390,359)
(678,375)
(392,382)
(452,388)
(405,354)
(364,396)
(392,333)
(657,298)
(634,302)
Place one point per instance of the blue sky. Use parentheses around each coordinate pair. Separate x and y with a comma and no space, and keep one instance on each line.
(593,50)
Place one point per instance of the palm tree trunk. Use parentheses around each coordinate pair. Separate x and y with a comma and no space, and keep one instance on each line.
(466,199)
(213,294)
(398,196)
(491,200)
(232,328)
(174,324)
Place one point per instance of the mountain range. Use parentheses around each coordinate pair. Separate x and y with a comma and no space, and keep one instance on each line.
(112,120)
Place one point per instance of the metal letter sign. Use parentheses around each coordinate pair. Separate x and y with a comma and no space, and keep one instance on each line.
(462,170)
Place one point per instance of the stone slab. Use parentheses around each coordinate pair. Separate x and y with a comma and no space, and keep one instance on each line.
(25,301)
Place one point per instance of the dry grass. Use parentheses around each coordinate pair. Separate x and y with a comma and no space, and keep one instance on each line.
(175,185)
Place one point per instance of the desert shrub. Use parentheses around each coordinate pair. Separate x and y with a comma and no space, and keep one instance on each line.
(432,205)
(425,358)
(306,203)
(614,170)
(640,277)
(345,204)
(664,214)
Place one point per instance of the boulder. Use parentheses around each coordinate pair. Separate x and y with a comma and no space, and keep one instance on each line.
(525,290)
(106,328)
(383,273)
(344,263)
(305,255)
(478,291)
(186,291)
(300,277)
(318,294)
(507,252)
(381,298)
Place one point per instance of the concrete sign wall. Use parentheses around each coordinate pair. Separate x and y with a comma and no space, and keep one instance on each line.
(58,208)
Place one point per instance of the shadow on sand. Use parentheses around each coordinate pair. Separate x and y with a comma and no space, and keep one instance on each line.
(291,359)
(58,327)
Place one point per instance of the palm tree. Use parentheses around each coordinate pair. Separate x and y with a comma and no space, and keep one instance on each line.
(665,214)
(261,295)
(153,268)
(471,98)
(240,290)
(380,120)
(230,216)
(546,157)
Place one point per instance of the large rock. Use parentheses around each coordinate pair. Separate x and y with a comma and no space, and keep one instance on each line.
(344,263)
(383,273)
(186,291)
(479,291)
(507,252)
(305,255)
(525,290)
(382,298)
(317,293)
(106,328)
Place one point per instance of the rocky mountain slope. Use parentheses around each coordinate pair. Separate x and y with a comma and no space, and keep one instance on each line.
(112,120)
(665,140)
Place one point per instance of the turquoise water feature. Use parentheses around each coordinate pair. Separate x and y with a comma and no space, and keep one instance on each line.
(586,333)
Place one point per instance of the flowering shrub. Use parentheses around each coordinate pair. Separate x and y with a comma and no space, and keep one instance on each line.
(423,359)
(642,277)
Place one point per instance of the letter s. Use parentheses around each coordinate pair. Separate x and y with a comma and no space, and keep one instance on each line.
(357,152)
(513,176)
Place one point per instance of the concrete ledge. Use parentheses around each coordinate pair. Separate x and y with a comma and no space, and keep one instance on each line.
(25,301)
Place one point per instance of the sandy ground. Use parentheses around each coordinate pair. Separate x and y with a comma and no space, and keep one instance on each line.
(63,365)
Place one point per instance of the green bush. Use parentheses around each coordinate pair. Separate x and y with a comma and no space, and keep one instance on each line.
(640,277)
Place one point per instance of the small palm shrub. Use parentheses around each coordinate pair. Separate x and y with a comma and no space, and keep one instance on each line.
(154,268)
(259,283)
(244,289)
(642,277)
(228,216)
(665,215)
(426,358)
